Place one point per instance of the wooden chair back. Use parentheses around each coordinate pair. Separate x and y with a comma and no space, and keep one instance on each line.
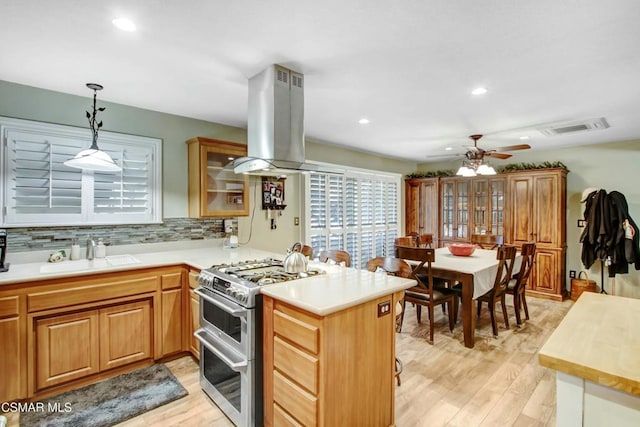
(506,257)
(528,253)
(335,255)
(425,240)
(391,265)
(487,241)
(406,241)
(307,251)
(422,256)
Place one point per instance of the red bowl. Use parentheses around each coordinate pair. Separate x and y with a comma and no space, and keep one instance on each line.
(461,249)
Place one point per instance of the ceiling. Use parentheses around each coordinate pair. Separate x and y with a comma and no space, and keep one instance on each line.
(409,67)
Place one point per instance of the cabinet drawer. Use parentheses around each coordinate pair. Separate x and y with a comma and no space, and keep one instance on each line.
(86,294)
(299,403)
(281,418)
(296,364)
(9,306)
(303,334)
(171,280)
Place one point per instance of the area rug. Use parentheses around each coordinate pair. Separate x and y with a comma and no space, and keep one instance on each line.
(108,402)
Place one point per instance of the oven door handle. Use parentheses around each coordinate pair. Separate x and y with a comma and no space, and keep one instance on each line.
(201,335)
(235,312)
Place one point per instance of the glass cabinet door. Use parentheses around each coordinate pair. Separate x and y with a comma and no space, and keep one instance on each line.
(225,190)
(214,189)
(497,207)
(480,207)
(462,207)
(448,202)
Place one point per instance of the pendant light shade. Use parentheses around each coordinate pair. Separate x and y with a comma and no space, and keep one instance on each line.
(93,158)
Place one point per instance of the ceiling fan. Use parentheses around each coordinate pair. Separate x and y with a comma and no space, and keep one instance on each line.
(475,153)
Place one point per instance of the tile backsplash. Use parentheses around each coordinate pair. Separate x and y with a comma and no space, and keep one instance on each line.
(171,230)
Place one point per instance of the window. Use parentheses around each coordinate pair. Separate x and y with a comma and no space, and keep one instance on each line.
(39,190)
(357,212)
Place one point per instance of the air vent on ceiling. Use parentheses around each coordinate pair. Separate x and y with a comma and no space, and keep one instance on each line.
(591,124)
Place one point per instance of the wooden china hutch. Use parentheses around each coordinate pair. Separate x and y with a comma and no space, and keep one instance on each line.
(523,206)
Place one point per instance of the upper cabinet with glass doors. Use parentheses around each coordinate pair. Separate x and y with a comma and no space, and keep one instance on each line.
(488,206)
(214,189)
(455,209)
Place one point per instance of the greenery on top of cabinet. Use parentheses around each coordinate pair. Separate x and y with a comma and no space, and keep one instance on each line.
(531,166)
(430,174)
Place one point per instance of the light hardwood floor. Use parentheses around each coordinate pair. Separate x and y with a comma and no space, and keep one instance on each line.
(497,383)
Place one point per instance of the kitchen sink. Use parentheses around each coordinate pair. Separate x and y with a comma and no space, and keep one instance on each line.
(85,264)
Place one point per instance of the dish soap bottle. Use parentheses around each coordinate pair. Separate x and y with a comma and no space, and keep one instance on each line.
(101,249)
(75,250)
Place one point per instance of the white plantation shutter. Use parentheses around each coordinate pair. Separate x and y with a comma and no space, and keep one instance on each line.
(38,189)
(37,183)
(357,212)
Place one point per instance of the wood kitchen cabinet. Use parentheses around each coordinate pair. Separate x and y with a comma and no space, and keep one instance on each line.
(320,370)
(215,190)
(13,357)
(522,206)
(455,208)
(537,213)
(421,196)
(172,312)
(193,321)
(76,345)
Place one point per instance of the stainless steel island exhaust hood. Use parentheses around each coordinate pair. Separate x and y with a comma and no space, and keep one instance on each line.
(275,126)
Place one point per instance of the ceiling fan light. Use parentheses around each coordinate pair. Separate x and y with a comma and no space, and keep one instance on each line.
(463,169)
(485,169)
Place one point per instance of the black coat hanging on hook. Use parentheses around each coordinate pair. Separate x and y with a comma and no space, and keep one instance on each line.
(610,234)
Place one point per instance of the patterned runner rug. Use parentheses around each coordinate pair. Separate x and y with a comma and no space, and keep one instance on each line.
(108,402)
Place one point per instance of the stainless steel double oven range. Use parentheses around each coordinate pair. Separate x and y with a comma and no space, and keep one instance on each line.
(230,335)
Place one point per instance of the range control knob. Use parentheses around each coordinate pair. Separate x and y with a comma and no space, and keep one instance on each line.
(241,296)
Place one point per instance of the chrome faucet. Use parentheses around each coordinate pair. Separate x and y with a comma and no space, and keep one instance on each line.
(91,245)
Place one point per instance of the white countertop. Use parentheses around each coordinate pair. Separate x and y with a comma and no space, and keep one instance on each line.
(340,288)
(200,254)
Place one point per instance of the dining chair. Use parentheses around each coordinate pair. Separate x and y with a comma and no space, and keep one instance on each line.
(425,240)
(506,256)
(307,251)
(518,283)
(487,241)
(424,293)
(336,255)
(394,267)
(406,241)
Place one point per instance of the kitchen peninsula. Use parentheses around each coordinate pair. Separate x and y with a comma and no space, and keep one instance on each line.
(595,353)
(351,311)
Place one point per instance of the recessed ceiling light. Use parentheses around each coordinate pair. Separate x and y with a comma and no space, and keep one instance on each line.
(479,91)
(124,24)
(524,137)
(229,158)
(449,148)
(364,121)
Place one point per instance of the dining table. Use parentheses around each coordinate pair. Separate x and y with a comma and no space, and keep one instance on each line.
(476,273)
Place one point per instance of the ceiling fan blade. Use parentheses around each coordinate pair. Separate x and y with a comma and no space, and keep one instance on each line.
(513,147)
(445,155)
(497,155)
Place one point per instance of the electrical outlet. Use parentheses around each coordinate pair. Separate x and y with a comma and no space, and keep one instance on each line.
(581,223)
(296,220)
(572,274)
(384,308)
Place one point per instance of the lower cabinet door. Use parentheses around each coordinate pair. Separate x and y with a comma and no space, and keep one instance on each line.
(66,348)
(194,325)
(171,321)
(11,363)
(125,334)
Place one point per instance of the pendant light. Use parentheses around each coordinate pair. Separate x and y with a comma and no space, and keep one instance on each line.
(93,158)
